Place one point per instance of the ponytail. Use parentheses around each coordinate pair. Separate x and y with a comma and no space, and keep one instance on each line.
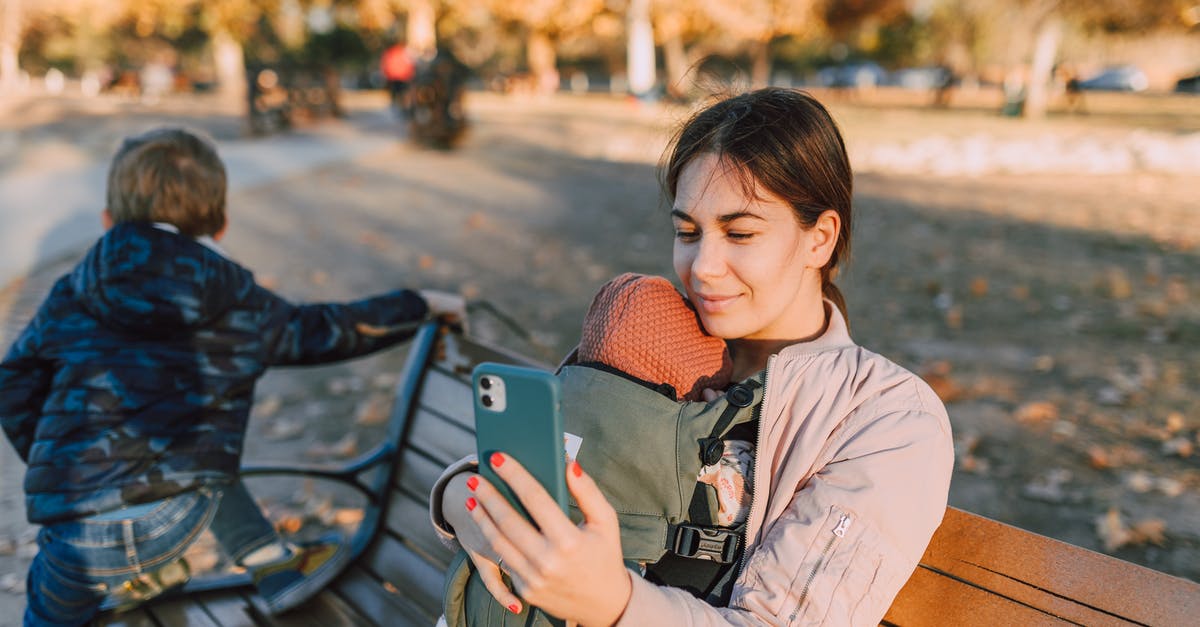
(831,292)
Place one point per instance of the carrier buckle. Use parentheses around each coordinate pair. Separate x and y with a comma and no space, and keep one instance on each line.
(706,543)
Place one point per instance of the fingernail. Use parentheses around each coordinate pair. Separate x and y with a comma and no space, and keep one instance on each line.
(515,608)
(497,459)
(472,483)
(471,503)
(575,468)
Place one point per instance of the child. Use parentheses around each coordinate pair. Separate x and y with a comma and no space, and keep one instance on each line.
(128,393)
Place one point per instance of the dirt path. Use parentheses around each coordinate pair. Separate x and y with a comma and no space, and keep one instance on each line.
(1059,317)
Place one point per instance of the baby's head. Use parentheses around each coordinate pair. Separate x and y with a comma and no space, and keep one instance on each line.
(168,175)
(641,326)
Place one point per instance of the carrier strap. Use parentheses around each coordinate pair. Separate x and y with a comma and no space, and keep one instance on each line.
(739,397)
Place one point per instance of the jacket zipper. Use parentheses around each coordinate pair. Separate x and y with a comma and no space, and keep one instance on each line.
(761,410)
(839,531)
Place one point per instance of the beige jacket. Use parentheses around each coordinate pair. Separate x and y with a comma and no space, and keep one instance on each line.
(851,475)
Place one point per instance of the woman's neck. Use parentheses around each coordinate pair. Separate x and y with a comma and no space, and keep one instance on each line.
(750,356)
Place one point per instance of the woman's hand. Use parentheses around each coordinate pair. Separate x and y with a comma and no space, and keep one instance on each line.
(468,534)
(574,572)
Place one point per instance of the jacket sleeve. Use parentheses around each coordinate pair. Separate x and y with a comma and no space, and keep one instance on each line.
(848,541)
(327,332)
(443,529)
(24,384)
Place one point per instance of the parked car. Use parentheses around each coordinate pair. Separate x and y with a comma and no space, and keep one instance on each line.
(860,74)
(1188,84)
(922,78)
(1117,78)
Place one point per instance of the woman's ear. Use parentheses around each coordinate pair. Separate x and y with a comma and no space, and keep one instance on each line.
(823,238)
(106,219)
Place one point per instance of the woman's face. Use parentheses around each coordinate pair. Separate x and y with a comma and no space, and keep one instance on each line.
(741,260)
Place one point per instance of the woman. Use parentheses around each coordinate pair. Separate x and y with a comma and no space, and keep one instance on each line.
(853,454)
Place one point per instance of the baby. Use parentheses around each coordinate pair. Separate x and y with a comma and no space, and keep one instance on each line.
(640,327)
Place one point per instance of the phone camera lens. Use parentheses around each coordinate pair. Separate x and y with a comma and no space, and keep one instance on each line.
(486,400)
(485,383)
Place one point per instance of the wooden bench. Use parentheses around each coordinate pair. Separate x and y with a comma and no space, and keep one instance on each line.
(975,572)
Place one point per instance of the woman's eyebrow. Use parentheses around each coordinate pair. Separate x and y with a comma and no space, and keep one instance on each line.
(737,215)
(679,213)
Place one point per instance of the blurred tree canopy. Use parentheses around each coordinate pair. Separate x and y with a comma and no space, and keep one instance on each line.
(213,40)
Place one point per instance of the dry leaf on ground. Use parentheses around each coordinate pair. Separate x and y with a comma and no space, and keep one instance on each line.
(283,428)
(1037,411)
(373,411)
(267,407)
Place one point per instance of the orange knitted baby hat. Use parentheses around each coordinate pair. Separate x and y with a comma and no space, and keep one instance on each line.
(641,326)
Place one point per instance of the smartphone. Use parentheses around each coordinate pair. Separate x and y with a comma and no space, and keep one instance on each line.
(517,413)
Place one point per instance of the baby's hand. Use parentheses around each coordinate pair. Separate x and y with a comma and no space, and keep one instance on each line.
(709,395)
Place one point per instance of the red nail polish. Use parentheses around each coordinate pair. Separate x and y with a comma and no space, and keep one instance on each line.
(471,503)
(515,608)
(472,483)
(497,460)
(575,468)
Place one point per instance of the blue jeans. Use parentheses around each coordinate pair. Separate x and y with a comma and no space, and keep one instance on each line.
(82,562)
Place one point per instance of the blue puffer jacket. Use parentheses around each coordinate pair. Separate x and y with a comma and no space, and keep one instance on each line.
(134,380)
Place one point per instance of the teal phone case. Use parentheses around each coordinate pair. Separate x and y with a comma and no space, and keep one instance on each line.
(529,428)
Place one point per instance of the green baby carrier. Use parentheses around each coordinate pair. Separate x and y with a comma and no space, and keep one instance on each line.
(645,451)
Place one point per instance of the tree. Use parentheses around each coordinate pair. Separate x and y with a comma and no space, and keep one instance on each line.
(1045,19)
(545,23)
(10,44)
(758,22)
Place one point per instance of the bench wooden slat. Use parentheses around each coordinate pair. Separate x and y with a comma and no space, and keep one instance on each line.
(932,599)
(182,611)
(228,608)
(417,472)
(360,590)
(441,439)
(133,618)
(1062,579)
(449,396)
(408,518)
(397,564)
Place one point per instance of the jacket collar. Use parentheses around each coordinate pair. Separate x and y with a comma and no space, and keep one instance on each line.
(836,336)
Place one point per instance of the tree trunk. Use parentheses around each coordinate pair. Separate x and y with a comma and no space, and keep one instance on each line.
(641,63)
(760,68)
(421,33)
(543,62)
(231,65)
(10,45)
(1045,48)
(675,60)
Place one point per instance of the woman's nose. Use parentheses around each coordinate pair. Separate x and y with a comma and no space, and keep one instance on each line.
(709,260)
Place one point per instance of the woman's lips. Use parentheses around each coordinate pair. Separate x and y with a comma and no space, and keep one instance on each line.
(713,303)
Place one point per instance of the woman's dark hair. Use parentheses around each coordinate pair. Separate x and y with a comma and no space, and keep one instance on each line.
(782,141)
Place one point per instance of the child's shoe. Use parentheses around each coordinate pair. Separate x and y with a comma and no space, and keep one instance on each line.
(293,580)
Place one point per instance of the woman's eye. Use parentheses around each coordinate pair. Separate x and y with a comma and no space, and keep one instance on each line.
(739,235)
(686,235)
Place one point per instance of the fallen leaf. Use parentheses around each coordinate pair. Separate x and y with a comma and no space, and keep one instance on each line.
(1152,530)
(385,380)
(425,262)
(979,286)
(1112,530)
(13,583)
(319,277)
(1170,487)
(954,317)
(390,587)
(268,281)
(1020,292)
(1037,411)
(348,516)
(373,411)
(477,220)
(1139,481)
(1174,422)
(345,447)
(1098,458)
(268,406)
(8,546)
(283,429)
(373,240)
(289,525)
(1119,286)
